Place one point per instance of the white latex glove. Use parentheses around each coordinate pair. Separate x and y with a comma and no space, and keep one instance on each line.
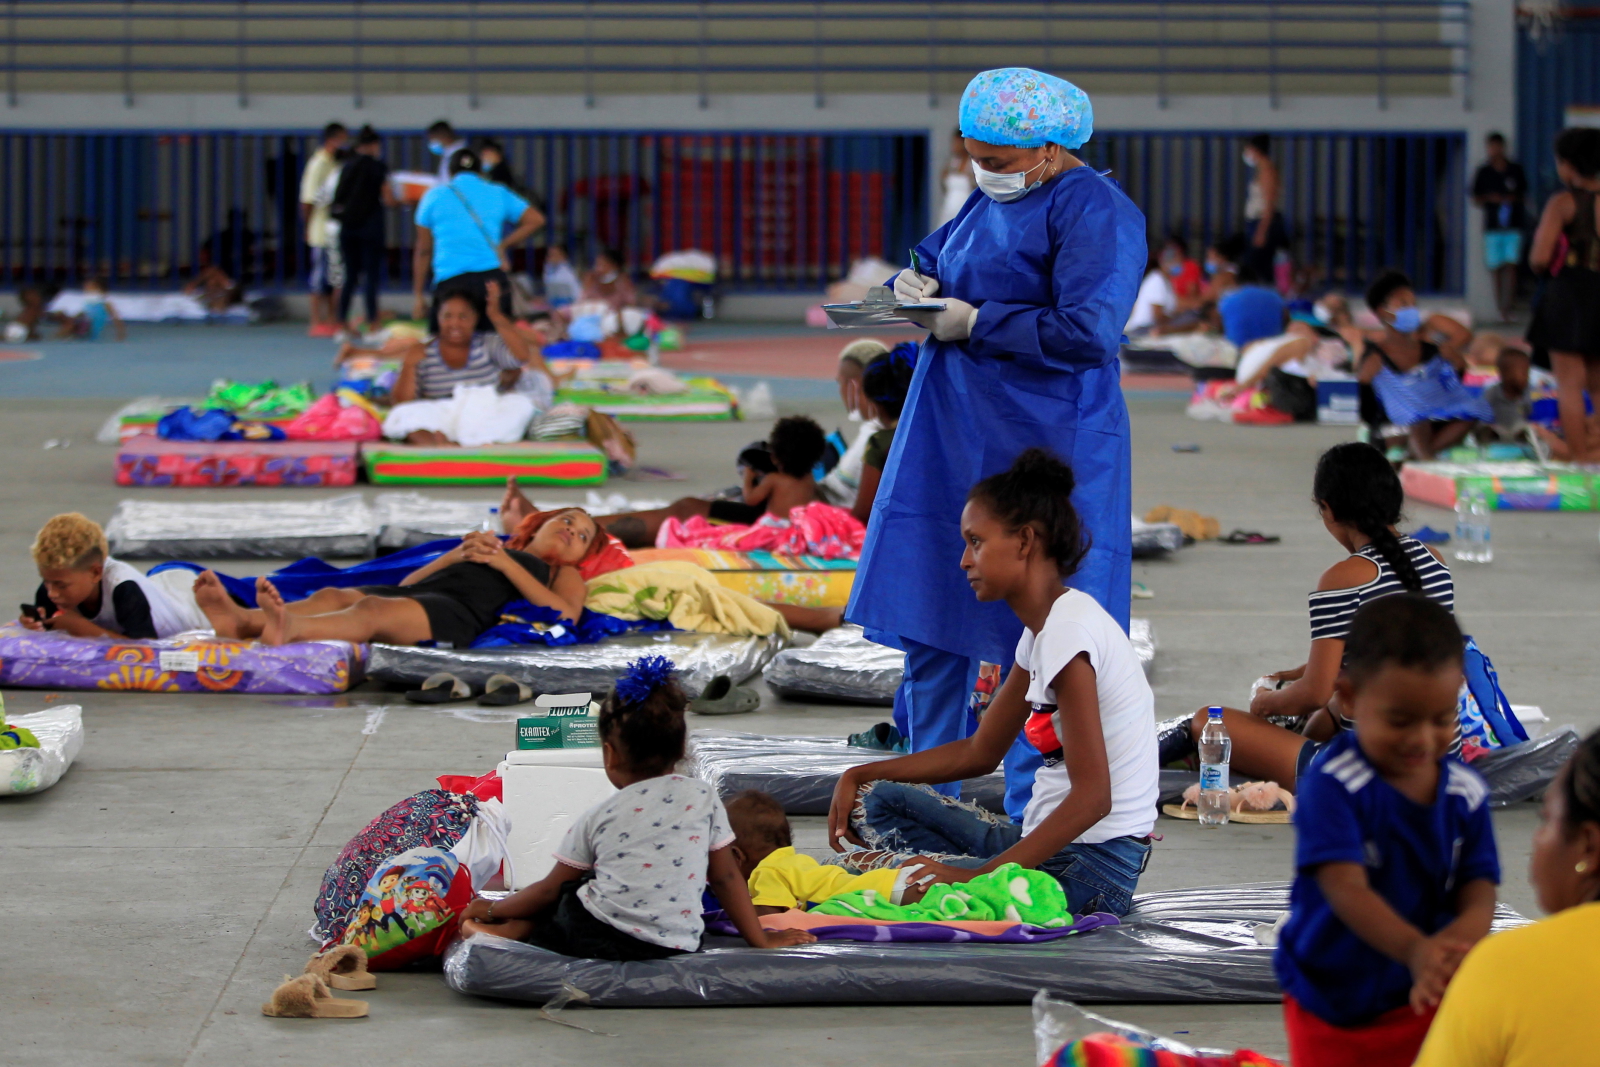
(954,323)
(913,287)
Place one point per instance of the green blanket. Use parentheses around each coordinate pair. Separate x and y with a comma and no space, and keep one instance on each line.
(1012,894)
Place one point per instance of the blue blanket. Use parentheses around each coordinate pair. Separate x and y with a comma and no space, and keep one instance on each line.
(521,623)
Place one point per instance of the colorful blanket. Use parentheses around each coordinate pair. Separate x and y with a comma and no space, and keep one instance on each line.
(841,928)
(817,529)
(809,581)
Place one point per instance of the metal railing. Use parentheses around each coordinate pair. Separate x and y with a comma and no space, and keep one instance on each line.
(1355,203)
(777,210)
(468,45)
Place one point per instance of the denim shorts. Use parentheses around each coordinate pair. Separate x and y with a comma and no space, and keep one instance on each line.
(903,820)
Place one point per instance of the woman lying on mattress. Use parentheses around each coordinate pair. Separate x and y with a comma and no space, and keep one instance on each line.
(450,601)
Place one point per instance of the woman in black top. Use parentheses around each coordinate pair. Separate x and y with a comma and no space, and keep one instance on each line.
(450,601)
(1567,320)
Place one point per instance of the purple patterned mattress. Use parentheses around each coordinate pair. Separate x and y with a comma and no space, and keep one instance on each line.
(187,664)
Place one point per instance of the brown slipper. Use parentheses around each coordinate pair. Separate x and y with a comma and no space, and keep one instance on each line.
(307,997)
(343,967)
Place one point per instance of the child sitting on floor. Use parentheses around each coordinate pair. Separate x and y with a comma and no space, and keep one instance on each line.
(97,314)
(796,444)
(1395,855)
(629,874)
(84,592)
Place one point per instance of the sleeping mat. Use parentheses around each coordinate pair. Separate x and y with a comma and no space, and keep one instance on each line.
(191,663)
(148,460)
(581,668)
(1185,946)
(530,462)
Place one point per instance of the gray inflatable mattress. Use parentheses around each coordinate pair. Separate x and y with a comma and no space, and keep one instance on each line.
(1187,946)
(843,666)
(339,526)
(801,772)
(580,668)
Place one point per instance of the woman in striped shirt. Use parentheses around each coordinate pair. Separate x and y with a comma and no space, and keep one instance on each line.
(1359,498)
(461,355)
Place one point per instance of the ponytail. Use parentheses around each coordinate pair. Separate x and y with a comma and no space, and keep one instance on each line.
(1359,487)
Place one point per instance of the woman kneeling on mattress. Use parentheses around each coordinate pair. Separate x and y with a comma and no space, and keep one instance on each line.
(1077,693)
(449,602)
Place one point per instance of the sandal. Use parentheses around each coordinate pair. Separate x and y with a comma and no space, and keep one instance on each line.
(722,697)
(1250,537)
(307,997)
(342,967)
(441,688)
(1254,803)
(504,691)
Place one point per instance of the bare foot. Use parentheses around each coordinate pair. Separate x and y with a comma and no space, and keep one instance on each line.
(514,506)
(227,618)
(279,623)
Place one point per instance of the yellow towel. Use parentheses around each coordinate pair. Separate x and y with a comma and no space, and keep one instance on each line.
(686,595)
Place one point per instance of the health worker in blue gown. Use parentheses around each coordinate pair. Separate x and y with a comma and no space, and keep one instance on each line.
(1038,273)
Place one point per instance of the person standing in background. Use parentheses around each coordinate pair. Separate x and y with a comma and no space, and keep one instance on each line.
(1263,220)
(461,232)
(1500,187)
(495,168)
(358,202)
(324,161)
(444,142)
(956,179)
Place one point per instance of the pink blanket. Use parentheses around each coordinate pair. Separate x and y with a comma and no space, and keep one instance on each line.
(817,529)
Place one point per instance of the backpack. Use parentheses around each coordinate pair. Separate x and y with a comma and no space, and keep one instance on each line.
(1487,721)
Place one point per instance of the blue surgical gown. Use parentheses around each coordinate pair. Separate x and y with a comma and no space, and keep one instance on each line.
(1053,276)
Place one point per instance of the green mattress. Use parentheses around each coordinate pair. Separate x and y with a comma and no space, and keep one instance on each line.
(531,463)
(696,405)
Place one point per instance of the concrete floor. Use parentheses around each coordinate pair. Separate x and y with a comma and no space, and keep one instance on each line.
(160,891)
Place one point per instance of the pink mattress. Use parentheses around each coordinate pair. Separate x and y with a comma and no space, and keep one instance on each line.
(150,460)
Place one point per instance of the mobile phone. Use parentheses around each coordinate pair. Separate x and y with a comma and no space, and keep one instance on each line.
(31,611)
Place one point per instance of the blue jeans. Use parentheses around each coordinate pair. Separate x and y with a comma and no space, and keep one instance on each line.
(913,820)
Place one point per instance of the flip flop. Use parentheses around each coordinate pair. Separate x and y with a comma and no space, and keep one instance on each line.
(1429,536)
(503,691)
(1250,537)
(441,688)
(342,967)
(722,697)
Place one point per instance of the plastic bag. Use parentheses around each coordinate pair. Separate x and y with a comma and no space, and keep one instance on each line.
(30,770)
(1057,1023)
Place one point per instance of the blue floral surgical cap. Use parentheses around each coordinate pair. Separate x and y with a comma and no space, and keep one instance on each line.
(1025,109)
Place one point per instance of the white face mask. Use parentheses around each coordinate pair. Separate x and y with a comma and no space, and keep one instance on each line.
(1321,313)
(607,279)
(1005,188)
(1249,160)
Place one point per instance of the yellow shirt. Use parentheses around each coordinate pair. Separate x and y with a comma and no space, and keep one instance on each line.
(1525,998)
(789,879)
(318,170)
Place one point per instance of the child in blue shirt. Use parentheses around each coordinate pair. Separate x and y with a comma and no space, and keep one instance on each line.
(1395,856)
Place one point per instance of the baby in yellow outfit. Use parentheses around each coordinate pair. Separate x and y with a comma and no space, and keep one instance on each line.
(781,878)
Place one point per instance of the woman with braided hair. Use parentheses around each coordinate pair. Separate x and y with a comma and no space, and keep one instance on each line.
(1519,997)
(1359,497)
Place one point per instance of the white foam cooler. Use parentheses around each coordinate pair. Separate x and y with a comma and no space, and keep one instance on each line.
(545,791)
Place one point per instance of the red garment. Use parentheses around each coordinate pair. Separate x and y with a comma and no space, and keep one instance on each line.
(329,419)
(1188,281)
(1393,1039)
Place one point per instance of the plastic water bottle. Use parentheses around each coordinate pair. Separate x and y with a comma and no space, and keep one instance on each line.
(491,521)
(1472,540)
(1215,749)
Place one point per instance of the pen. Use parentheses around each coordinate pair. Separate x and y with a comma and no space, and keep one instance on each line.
(916,262)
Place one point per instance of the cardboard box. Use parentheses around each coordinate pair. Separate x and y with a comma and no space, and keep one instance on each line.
(569,720)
